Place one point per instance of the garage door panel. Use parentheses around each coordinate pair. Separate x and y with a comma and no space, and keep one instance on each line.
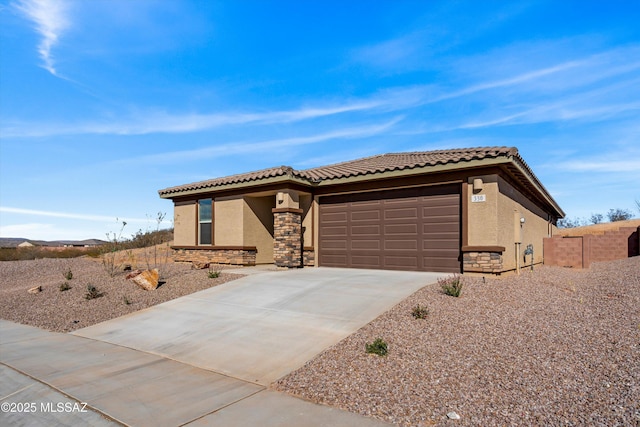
(365,205)
(443,211)
(406,263)
(365,230)
(365,261)
(439,244)
(407,229)
(328,217)
(445,227)
(401,245)
(439,220)
(334,231)
(401,213)
(334,244)
(333,260)
(440,236)
(401,229)
(365,245)
(367,215)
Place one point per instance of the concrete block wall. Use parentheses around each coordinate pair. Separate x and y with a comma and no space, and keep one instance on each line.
(563,251)
(581,251)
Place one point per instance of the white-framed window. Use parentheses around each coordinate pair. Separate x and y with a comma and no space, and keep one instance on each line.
(205,223)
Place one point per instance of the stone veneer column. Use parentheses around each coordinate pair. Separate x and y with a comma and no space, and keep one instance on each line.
(287,237)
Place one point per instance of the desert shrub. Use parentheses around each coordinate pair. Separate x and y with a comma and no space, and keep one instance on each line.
(127,301)
(420,312)
(109,252)
(68,274)
(619,215)
(379,347)
(65,287)
(214,271)
(451,285)
(92,292)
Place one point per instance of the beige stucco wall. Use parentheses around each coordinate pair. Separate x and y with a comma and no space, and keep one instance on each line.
(306,204)
(512,206)
(228,221)
(184,223)
(496,221)
(258,226)
(482,227)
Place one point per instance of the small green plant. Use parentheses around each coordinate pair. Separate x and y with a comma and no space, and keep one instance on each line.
(214,271)
(379,347)
(68,274)
(65,287)
(92,292)
(420,312)
(126,300)
(451,285)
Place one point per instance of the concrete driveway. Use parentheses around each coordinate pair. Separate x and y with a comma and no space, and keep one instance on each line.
(263,326)
(201,360)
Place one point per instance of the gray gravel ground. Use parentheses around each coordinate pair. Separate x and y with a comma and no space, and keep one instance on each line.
(64,311)
(550,347)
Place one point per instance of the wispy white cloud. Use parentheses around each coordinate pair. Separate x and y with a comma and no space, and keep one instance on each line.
(619,165)
(51,20)
(239,147)
(67,215)
(143,123)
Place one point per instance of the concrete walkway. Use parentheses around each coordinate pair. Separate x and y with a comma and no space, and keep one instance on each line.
(203,359)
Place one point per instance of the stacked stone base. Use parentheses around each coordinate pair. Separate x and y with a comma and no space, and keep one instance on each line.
(482,262)
(308,257)
(233,256)
(287,239)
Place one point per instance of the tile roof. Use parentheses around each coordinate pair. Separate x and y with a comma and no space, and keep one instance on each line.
(401,161)
(368,165)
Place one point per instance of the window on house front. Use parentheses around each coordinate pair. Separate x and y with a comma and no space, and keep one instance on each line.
(204,221)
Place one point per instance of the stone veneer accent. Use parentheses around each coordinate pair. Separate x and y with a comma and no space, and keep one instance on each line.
(234,256)
(308,257)
(287,237)
(477,260)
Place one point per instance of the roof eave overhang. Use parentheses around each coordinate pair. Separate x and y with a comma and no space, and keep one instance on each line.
(527,179)
(517,167)
(540,189)
(283,179)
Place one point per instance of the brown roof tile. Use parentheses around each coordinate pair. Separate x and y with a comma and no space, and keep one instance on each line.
(233,179)
(368,165)
(400,161)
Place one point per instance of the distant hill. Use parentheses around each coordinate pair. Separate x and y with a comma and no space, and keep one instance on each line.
(13,242)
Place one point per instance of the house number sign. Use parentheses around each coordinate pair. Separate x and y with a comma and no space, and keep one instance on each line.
(477,198)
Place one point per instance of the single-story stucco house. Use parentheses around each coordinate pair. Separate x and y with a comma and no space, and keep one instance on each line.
(458,210)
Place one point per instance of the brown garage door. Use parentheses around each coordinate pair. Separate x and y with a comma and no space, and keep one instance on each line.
(406,229)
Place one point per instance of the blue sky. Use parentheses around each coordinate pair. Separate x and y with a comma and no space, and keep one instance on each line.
(102,103)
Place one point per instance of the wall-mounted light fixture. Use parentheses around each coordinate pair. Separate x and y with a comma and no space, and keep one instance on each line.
(522,220)
(477,184)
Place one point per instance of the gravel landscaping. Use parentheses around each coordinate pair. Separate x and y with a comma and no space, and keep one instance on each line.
(64,311)
(550,347)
